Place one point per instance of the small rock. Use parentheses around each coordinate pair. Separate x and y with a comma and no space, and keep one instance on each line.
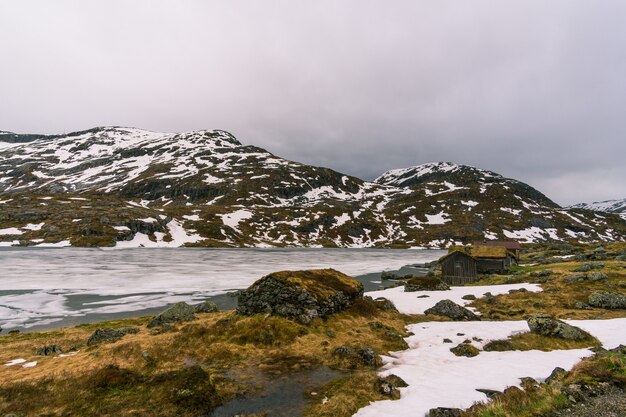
(385,304)
(446,340)
(365,356)
(589,266)
(444,412)
(465,349)
(469,297)
(106,335)
(608,300)
(206,307)
(582,306)
(555,374)
(423,296)
(177,313)
(490,393)
(546,326)
(448,308)
(425,284)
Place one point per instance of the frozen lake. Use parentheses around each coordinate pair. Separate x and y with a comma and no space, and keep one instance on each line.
(54,287)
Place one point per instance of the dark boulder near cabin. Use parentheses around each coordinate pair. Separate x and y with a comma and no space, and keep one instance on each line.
(300,295)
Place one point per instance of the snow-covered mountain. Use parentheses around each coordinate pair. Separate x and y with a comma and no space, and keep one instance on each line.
(128,187)
(608,206)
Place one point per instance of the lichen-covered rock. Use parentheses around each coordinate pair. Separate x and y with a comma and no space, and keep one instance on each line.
(608,300)
(388,386)
(542,273)
(384,304)
(300,295)
(206,307)
(425,284)
(465,349)
(547,326)
(589,266)
(448,308)
(106,335)
(177,313)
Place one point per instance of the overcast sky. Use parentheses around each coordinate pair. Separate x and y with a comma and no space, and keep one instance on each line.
(534,90)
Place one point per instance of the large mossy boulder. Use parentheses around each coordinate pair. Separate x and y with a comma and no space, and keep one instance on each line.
(300,295)
(177,313)
(608,300)
(547,326)
(425,284)
(450,309)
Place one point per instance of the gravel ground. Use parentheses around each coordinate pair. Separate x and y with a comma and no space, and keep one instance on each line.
(611,404)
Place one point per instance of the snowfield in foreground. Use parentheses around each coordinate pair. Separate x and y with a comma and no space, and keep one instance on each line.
(438,378)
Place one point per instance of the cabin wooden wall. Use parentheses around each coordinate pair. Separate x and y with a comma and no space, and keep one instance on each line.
(458,269)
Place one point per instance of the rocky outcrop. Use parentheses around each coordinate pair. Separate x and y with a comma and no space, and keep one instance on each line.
(547,326)
(425,284)
(608,300)
(300,295)
(362,356)
(444,412)
(106,335)
(177,313)
(451,310)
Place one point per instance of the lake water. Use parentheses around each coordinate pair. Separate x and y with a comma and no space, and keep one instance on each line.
(44,288)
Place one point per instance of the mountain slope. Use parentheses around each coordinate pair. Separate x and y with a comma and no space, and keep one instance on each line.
(129,187)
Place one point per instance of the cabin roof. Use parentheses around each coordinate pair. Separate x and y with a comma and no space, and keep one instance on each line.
(479,252)
(509,244)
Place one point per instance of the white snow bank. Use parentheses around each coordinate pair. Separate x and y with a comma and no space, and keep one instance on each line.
(409,303)
(11,231)
(179,236)
(428,365)
(30,364)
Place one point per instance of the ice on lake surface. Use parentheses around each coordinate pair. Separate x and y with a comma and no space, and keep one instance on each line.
(43,286)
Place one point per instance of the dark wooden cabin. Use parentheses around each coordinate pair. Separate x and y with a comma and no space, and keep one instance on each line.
(463,264)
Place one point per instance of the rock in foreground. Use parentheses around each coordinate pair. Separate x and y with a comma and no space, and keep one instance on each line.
(546,326)
(300,295)
(451,310)
(107,335)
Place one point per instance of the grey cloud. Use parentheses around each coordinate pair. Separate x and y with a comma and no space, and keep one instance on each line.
(531,89)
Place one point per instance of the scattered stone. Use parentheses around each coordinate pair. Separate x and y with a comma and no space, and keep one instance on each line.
(330,334)
(301,295)
(177,313)
(469,297)
(448,308)
(589,266)
(446,340)
(547,326)
(425,284)
(582,306)
(556,373)
(206,307)
(48,350)
(444,412)
(14,331)
(107,335)
(539,304)
(423,296)
(608,300)
(465,349)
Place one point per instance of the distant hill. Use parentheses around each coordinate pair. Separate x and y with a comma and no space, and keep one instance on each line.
(129,187)
(608,206)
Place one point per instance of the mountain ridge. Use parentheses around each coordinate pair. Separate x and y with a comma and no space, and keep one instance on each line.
(209,185)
